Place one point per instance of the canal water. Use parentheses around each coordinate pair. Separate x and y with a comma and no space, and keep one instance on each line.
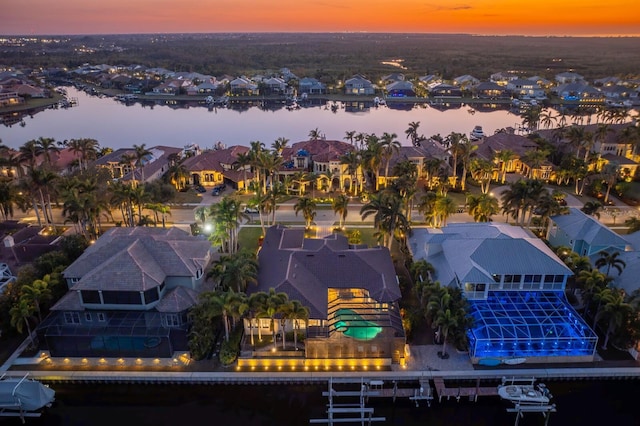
(609,402)
(117,125)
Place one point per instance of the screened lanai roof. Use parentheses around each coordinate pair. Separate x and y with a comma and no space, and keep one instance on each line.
(539,323)
(512,315)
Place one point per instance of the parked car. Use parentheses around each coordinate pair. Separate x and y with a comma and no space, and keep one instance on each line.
(248,209)
(199,188)
(215,192)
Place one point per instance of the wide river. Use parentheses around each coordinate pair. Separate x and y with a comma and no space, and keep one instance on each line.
(116,125)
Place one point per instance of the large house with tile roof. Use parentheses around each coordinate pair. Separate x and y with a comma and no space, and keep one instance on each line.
(490,147)
(129,294)
(352,293)
(514,284)
(154,165)
(215,167)
(323,158)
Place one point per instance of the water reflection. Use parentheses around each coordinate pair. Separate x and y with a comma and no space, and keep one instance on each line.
(118,124)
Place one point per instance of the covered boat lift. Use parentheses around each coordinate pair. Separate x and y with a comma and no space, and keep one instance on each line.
(23,397)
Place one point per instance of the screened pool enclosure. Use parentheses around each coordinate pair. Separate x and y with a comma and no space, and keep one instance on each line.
(528,324)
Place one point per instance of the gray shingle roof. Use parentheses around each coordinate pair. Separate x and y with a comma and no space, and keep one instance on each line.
(580,226)
(178,299)
(306,268)
(138,258)
(472,252)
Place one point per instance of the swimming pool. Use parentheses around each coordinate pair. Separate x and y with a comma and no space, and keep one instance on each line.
(351,324)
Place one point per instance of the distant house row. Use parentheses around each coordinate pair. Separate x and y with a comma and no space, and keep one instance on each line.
(568,86)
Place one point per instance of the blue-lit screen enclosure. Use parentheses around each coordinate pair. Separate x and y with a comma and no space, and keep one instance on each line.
(528,324)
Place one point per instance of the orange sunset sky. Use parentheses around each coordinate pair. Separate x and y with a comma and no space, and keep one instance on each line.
(500,17)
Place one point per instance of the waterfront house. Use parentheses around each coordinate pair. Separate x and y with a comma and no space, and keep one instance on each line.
(323,158)
(430,80)
(502,78)
(129,295)
(568,77)
(524,88)
(121,163)
(445,91)
(358,85)
(274,86)
(578,91)
(420,155)
(215,167)
(490,147)
(490,90)
(465,82)
(10,98)
(311,86)
(242,86)
(351,292)
(514,284)
(400,89)
(583,234)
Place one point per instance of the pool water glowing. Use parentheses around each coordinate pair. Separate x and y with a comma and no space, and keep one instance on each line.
(351,324)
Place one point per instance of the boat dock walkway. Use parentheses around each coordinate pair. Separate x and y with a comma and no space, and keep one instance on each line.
(471,392)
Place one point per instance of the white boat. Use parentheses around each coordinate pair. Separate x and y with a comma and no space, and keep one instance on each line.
(477,133)
(524,392)
(23,397)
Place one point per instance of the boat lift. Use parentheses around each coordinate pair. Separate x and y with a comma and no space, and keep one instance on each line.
(520,409)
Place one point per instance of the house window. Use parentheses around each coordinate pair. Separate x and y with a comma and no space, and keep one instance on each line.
(87,317)
(101,317)
(71,318)
(199,273)
(171,320)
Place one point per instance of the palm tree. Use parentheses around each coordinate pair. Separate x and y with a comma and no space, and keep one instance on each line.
(482,207)
(177,175)
(227,216)
(389,145)
(445,320)
(610,174)
(340,205)
(221,303)
(272,307)
(256,301)
(140,153)
(349,136)
(633,223)
(610,260)
(36,293)
(235,271)
(29,153)
(242,161)
(46,146)
(295,311)
(279,145)
(616,310)
(504,157)
(547,119)
(315,134)
(386,207)
(592,208)
(308,208)
(21,312)
(444,206)
(453,141)
(482,172)
(412,132)
(352,160)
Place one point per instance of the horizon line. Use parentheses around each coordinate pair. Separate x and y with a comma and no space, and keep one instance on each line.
(328,32)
